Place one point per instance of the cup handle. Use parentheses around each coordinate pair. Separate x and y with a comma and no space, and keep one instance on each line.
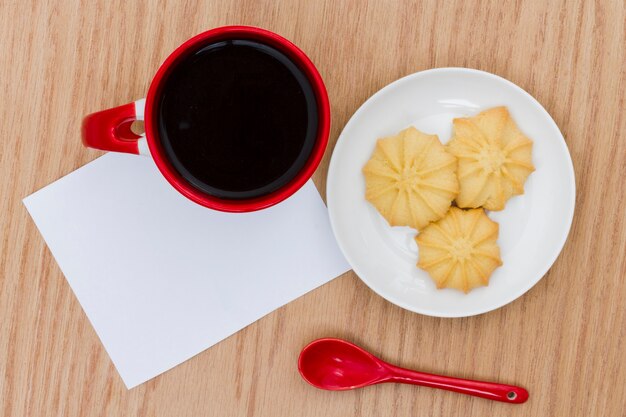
(109,130)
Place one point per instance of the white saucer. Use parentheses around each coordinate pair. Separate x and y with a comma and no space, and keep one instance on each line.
(533,226)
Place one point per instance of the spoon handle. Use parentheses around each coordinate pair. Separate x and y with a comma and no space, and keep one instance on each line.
(490,390)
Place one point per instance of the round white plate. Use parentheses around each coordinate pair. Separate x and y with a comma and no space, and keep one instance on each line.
(533,226)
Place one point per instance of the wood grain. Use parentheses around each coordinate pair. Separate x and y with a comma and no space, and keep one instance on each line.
(564,340)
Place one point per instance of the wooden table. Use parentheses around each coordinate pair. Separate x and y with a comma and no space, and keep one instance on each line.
(564,340)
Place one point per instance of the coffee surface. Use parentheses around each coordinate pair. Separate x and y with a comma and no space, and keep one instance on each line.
(237,119)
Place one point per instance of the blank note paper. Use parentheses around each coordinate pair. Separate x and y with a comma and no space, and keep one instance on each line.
(162,278)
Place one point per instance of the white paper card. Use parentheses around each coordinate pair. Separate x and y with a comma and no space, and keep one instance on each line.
(162,278)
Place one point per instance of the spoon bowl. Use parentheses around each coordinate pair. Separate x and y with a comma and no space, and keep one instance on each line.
(338,365)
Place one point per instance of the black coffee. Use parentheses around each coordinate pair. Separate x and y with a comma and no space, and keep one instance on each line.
(237,119)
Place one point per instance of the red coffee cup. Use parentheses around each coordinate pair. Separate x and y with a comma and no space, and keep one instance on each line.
(110,130)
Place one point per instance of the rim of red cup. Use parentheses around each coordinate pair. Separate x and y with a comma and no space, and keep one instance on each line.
(323,127)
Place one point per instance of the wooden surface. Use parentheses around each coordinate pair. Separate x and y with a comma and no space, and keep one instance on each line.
(564,340)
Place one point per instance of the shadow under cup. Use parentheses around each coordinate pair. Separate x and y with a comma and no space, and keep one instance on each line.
(237,118)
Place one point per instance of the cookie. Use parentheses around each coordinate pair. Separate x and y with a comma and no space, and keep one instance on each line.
(494,159)
(411,179)
(460,250)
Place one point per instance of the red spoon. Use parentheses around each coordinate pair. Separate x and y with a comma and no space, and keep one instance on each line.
(337,365)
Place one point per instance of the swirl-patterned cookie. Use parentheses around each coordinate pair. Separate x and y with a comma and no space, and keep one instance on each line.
(460,250)
(411,179)
(494,159)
